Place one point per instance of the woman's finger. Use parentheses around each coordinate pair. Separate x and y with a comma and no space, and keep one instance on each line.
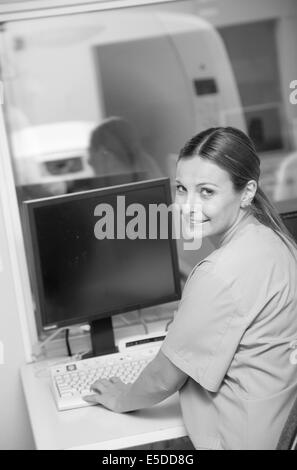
(99,385)
(115,380)
(91,399)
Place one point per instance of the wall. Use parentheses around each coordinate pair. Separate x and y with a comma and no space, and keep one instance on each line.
(15,431)
(222,13)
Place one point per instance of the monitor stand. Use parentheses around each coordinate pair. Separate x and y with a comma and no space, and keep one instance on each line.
(102,338)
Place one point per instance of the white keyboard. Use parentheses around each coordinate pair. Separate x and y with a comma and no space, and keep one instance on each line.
(71,381)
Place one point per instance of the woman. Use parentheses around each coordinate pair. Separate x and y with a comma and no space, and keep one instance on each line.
(116,148)
(228,349)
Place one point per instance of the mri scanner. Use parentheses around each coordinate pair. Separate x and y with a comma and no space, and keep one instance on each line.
(168,74)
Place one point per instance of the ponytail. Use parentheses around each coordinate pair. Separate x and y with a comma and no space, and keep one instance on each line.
(266,213)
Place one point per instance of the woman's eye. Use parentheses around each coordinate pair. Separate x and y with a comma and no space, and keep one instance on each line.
(207,192)
(180,188)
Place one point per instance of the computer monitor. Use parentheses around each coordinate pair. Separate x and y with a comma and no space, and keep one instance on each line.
(290,221)
(33,191)
(78,277)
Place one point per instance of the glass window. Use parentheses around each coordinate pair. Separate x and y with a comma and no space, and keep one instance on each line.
(107,97)
(253,51)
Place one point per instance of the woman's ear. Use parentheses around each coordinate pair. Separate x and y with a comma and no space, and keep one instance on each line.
(248,193)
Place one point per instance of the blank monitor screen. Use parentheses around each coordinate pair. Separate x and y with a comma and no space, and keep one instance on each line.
(78,277)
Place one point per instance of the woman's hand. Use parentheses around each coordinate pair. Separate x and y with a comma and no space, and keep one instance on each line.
(158,380)
(108,393)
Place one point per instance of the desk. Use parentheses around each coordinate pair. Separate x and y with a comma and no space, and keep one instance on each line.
(94,427)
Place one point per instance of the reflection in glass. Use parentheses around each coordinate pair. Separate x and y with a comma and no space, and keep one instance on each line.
(45,151)
(101,98)
(108,93)
(115,146)
(253,52)
(286,179)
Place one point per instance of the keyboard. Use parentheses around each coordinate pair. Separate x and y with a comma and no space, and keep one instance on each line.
(71,381)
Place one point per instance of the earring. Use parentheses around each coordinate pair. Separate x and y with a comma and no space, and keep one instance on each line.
(245,204)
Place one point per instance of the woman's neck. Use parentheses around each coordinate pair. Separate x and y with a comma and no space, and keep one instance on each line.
(221,239)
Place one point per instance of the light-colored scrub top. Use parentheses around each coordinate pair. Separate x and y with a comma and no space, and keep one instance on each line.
(233,335)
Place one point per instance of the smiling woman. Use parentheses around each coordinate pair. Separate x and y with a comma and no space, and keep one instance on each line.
(207,198)
(220,171)
(228,348)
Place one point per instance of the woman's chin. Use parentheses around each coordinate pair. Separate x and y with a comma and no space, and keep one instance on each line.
(193,232)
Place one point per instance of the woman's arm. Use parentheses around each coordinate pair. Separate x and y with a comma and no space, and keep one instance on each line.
(160,379)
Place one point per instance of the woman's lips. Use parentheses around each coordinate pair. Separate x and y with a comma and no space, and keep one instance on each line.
(196,222)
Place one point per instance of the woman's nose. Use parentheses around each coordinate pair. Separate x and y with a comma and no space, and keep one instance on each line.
(192,205)
(194,199)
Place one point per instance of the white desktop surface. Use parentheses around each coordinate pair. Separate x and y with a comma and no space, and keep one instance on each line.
(94,427)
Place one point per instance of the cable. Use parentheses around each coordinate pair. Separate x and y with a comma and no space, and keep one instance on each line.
(168,323)
(124,320)
(67,342)
(142,321)
(39,348)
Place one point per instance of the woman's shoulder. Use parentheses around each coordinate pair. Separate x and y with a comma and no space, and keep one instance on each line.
(251,269)
(256,247)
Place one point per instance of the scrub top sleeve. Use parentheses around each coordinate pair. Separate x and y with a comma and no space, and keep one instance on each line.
(206,330)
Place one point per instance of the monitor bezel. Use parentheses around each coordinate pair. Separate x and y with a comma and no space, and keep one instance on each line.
(34,263)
